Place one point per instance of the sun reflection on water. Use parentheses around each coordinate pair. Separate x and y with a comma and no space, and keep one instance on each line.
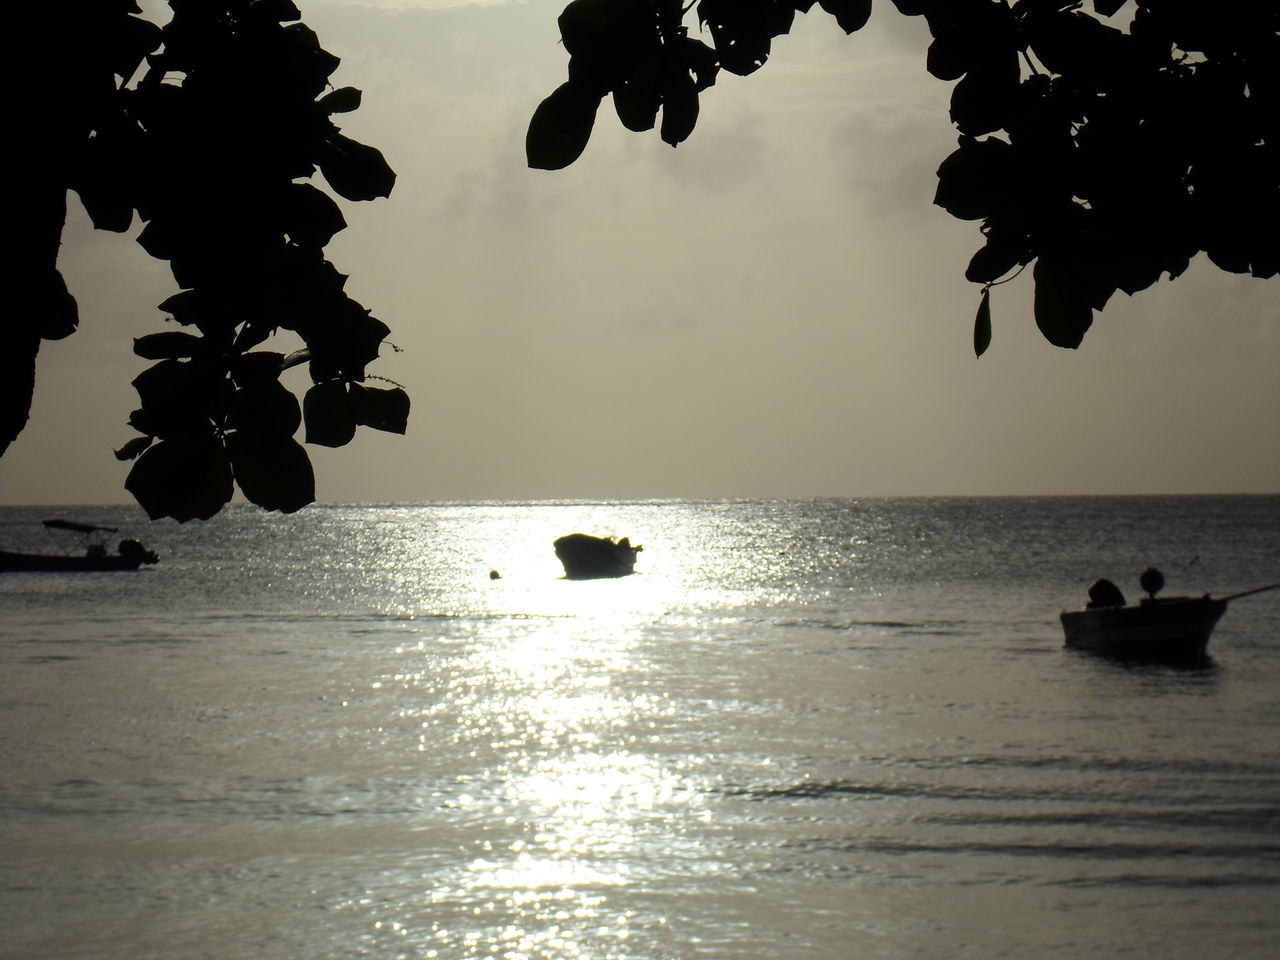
(551,703)
(550,893)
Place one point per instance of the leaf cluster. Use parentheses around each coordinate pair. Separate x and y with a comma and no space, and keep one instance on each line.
(213,145)
(1106,156)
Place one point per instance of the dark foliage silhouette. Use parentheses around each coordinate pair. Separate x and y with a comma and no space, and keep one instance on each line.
(209,145)
(1106,153)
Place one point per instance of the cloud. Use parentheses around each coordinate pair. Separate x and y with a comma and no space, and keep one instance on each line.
(406,6)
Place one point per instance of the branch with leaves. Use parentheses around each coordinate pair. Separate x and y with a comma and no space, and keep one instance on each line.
(211,147)
(1106,155)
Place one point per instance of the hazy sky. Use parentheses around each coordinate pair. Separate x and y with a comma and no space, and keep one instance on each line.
(774,309)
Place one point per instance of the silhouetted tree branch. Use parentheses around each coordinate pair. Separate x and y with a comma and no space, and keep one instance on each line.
(1107,155)
(211,146)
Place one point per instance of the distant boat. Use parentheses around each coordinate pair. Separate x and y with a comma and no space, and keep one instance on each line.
(590,558)
(129,556)
(1169,628)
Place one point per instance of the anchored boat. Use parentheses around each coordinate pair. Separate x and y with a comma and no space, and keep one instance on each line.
(1158,628)
(589,558)
(95,557)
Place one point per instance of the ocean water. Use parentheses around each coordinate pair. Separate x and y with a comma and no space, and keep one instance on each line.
(803,729)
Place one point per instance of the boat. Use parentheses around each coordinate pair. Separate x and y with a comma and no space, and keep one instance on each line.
(1157,628)
(590,558)
(129,555)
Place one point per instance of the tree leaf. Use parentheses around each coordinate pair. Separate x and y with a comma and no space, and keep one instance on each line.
(133,39)
(342,100)
(983,100)
(852,15)
(636,103)
(104,179)
(609,30)
(273,472)
(279,11)
(948,57)
(1062,307)
(355,170)
(679,110)
(982,325)
(179,397)
(187,479)
(380,408)
(742,32)
(311,218)
(268,408)
(168,345)
(975,179)
(133,448)
(55,309)
(996,258)
(258,368)
(327,410)
(561,127)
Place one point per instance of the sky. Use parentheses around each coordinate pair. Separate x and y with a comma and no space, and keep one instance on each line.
(774,309)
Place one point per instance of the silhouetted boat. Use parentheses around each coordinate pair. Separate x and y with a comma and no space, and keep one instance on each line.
(1169,628)
(95,558)
(589,558)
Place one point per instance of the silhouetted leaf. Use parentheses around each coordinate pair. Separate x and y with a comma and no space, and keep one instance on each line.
(850,14)
(342,100)
(133,39)
(636,103)
(1075,44)
(948,57)
(268,408)
(614,31)
(187,479)
(679,110)
(354,170)
(279,11)
(186,306)
(54,308)
(994,260)
(1062,309)
(258,368)
(700,60)
(382,409)
(161,238)
(560,127)
(982,325)
(982,101)
(179,397)
(133,448)
(742,30)
(327,410)
(311,218)
(104,178)
(975,178)
(273,472)
(168,345)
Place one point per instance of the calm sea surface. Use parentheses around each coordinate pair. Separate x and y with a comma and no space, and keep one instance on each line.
(811,729)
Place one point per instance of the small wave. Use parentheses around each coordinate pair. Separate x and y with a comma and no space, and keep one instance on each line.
(941,628)
(1090,851)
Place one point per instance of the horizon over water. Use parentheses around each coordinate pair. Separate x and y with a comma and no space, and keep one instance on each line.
(805,728)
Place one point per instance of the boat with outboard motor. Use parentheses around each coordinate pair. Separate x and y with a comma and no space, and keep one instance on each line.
(1157,628)
(130,554)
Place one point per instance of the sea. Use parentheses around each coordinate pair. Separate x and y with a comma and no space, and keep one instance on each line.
(803,729)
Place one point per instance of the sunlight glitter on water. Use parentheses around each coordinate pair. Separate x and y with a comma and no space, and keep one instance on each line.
(551,704)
